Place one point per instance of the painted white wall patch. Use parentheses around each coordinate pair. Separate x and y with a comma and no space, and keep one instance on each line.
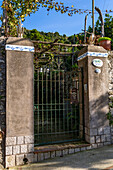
(97,62)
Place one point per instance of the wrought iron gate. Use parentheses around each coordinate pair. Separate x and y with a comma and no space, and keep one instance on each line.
(56,101)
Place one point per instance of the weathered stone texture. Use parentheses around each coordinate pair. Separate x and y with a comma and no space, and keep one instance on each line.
(20,140)
(108,138)
(10,141)
(107,130)
(100,131)
(89,147)
(58,153)
(53,154)
(47,155)
(65,151)
(92,139)
(35,158)
(77,149)
(94,146)
(29,139)
(30,157)
(16,150)
(9,150)
(103,138)
(100,144)
(83,149)
(71,151)
(2,97)
(10,161)
(93,132)
(19,159)
(16,146)
(110,90)
(107,143)
(24,149)
(30,147)
(97,139)
(40,157)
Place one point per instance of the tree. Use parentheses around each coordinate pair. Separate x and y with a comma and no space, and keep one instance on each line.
(34,35)
(19,9)
(108,27)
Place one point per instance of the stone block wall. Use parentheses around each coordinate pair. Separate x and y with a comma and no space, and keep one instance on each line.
(110,73)
(99,137)
(2,100)
(18,148)
(110,89)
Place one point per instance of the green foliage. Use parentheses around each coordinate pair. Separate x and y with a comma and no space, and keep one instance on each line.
(2,97)
(104,38)
(75,66)
(108,27)
(33,35)
(110,118)
(42,36)
(109,115)
(19,9)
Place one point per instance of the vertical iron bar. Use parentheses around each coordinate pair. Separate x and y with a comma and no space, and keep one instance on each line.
(38,99)
(51,96)
(78,108)
(67,100)
(63,103)
(55,105)
(71,104)
(59,92)
(83,102)
(47,98)
(42,101)
(75,109)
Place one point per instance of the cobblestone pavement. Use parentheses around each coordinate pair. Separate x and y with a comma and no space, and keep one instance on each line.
(95,159)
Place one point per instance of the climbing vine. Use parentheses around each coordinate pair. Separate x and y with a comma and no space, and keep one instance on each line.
(110,115)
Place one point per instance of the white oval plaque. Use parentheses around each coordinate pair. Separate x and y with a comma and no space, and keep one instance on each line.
(97,70)
(97,62)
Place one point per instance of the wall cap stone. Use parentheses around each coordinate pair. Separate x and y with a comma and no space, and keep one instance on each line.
(92,48)
(94,54)
(19,48)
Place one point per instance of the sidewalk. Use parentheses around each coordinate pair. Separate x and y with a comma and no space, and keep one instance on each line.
(95,159)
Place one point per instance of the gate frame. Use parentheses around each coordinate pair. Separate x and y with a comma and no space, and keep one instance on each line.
(78,71)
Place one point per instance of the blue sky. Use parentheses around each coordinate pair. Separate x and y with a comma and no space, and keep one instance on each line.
(63,23)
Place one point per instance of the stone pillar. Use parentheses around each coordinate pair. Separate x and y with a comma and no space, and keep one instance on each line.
(110,66)
(93,60)
(19,101)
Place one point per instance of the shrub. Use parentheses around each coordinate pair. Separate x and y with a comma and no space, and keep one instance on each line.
(104,38)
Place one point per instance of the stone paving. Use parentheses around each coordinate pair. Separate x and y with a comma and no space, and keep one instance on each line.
(95,159)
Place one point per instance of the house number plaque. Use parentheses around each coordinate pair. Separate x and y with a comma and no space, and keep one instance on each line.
(97,63)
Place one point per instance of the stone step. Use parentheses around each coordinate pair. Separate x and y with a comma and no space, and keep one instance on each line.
(60,150)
